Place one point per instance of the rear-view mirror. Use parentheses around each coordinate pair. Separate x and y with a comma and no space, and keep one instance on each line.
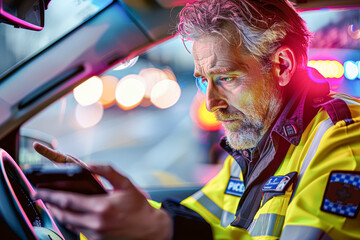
(27,14)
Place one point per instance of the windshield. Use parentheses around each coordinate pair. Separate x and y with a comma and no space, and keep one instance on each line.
(60,18)
(176,144)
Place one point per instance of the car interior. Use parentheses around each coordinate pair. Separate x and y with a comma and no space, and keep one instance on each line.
(167,148)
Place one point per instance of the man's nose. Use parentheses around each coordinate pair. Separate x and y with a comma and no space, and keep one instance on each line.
(214,99)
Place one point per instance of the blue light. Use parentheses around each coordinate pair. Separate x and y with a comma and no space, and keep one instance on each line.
(201,85)
(351,70)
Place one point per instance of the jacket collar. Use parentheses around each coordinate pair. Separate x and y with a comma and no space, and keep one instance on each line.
(307,84)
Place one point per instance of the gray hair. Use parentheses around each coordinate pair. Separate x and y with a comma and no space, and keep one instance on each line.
(262,26)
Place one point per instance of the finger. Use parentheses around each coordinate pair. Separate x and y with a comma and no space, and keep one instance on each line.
(56,156)
(71,159)
(49,153)
(76,221)
(118,181)
(72,201)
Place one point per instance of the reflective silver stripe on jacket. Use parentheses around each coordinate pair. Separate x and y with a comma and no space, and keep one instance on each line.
(271,224)
(235,169)
(324,126)
(303,233)
(225,217)
(268,224)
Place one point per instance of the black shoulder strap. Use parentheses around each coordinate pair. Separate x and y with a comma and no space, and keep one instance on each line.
(337,109)
(250,201)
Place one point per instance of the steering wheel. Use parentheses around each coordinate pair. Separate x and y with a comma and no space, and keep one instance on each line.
(20,216)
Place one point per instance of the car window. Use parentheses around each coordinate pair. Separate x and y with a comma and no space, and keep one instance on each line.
(60,18)
(150,136)
(171,140)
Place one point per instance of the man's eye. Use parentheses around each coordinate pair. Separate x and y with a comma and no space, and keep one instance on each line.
(226,79)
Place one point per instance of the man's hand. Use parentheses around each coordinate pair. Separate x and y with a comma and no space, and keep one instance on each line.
(124,212)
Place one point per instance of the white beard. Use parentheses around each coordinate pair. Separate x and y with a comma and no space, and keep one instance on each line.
(246,137)
(254,127)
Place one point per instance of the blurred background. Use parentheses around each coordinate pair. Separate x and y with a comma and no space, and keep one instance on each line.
(145,116)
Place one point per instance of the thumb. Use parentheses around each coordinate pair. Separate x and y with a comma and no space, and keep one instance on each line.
(118,181)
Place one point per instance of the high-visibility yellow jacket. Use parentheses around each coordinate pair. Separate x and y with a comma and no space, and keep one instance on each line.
(317,203)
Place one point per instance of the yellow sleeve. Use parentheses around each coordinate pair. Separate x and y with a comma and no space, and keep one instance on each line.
(215,204)
(154,204)
(338,150)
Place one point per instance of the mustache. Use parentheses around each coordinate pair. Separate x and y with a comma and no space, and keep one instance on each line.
(224,115)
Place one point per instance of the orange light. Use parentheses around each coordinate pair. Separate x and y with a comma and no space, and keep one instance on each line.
(208,118)
(152,76)
(107,98)
(130,90)
(169,73)
(88,116)
(89,92)
(201,116)
(329,69)
(165,93)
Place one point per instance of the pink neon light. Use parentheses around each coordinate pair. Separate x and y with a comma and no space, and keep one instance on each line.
(47,6)
(6,157)
(19,21)
(335,7)
(315,75)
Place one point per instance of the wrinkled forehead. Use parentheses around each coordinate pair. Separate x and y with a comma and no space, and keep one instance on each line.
(214,50)
(210,44)
(204,47)
(207,49)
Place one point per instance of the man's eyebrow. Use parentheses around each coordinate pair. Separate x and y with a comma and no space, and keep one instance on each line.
(239,68)
(242,67)
(221,70)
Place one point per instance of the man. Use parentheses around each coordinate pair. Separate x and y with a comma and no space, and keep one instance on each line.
(293,171)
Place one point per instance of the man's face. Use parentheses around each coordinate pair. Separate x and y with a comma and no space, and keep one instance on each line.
(244,98)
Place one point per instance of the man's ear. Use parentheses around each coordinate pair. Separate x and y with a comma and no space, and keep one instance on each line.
(284,65)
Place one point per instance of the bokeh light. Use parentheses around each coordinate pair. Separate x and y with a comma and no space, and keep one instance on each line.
(165,93)
(152,76)
(327,68)
(88,116)
(353,33)
(89,92)
(201,116)
(130,90)
(169,74)
(351,70)
(207,119)
(107,98)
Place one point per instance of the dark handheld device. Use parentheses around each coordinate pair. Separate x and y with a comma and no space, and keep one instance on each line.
(71,178)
